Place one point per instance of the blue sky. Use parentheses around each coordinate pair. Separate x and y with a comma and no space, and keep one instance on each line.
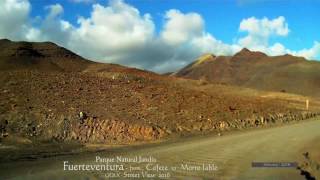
(222,17)
(273,26)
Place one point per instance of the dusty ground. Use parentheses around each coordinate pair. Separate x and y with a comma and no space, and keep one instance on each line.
(231,153)
(123,107)
(39,112)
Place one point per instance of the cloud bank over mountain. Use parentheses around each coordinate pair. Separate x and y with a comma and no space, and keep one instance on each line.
(118,32)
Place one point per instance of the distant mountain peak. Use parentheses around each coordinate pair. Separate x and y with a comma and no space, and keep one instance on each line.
(4,40)
(254,69)
(34,49)
(38,55)
(245,52)
(288,55)
(204,58)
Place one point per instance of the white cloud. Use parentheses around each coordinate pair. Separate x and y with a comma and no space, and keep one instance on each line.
(188,29)
(207,43)
(33,34)
(52,27)
(113,30)
(119,33)
(54,10)
(260,30)
(186,34)
(277,49)
(265,27)
(14,18)
(180,28)
(311,53)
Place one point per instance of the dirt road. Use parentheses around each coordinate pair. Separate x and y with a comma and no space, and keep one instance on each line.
(231,154)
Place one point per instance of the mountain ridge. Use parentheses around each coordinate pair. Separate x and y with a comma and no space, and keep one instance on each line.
(48,56)
(254,69)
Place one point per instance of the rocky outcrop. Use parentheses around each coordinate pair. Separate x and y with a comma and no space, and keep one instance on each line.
(114,131)
(255,121)
(93,130)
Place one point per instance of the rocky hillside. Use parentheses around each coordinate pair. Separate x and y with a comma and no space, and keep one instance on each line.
(45,56)
(257,70)
(48,93)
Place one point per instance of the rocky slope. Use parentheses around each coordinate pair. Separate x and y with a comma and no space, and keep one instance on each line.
(45,56)
(257,70)
(50,94)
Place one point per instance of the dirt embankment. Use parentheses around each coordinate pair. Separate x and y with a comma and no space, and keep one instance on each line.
(232,153)
(123,107)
